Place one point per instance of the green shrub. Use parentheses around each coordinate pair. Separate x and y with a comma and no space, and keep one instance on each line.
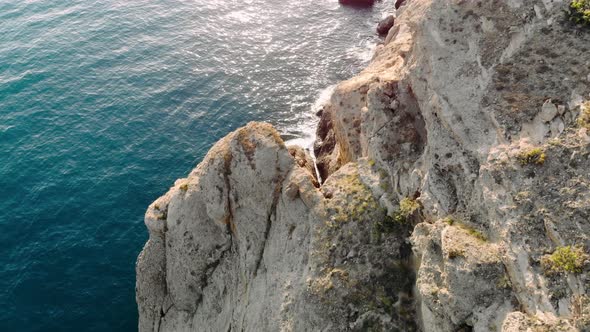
(579,11)
(359,203)
(533,156)
(408,206)
(504,282)
(470,230)
(475,233)
(184,187)
(449,221)
(565,259)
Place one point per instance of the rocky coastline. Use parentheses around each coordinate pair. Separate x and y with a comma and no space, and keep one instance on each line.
(453,192)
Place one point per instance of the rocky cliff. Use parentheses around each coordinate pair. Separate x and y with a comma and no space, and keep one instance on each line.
(454,193)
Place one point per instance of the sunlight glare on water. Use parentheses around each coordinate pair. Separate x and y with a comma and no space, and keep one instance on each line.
(104,103)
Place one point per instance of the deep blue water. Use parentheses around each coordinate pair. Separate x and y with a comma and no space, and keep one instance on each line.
(104,103)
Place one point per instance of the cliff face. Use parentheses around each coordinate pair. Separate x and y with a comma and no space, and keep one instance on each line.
(455,194)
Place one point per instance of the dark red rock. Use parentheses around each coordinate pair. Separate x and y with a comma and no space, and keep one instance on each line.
(399,3)
(385,24)
(357,3)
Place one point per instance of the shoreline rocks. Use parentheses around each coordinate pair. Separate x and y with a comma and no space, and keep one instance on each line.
(385,24)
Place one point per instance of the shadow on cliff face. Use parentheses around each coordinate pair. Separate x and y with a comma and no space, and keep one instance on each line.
(384,118)
(403,136)
(363,261)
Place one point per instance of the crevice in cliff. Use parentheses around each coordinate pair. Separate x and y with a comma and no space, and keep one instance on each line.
(208,271)
(227,159)
(272,212)
(380,128)
(230,228)
(164,312)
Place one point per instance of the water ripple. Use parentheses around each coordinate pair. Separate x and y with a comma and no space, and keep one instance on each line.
(104,103)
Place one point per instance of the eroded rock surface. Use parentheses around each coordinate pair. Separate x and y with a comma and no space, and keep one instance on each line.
(248,242)
(455,193)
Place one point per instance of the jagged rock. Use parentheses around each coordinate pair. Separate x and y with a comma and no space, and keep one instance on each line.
(452,100)
(247,242)
(399,3)
(325,148)
(304,160)
(385,24)
(461,279)
(548,111)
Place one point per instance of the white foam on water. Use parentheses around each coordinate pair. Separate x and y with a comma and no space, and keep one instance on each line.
(308,125)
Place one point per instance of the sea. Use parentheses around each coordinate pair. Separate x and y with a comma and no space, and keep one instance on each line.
(104,103)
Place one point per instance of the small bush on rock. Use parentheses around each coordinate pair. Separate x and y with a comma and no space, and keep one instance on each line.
(470,230)
(408,206)
(533,156)
(565,259)
(579,11)
(475,233)
(449,221)
(184,187)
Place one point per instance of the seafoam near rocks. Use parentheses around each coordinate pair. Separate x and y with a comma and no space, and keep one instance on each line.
(454,173)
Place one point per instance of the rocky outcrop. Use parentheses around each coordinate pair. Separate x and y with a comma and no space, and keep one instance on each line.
(385,24)
(325,145)
(455,193)
(248,242)
(399,3)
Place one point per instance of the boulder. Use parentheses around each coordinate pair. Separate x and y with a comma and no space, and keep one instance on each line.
(385,24)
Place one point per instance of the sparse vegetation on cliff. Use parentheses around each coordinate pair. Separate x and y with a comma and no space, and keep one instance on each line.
(534,156)
(570,259)
(449,221)
(474,232)
(579,11)
(408,206)
(357,205)
(470,230)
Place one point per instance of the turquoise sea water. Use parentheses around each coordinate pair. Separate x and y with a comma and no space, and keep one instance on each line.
(104,103)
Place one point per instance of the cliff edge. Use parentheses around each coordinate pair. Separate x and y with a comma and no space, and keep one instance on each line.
(454,193)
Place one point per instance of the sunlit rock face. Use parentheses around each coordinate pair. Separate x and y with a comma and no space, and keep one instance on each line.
(454,193)
(248,241)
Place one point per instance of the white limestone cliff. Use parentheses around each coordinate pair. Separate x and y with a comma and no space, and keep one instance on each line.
(452,167)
